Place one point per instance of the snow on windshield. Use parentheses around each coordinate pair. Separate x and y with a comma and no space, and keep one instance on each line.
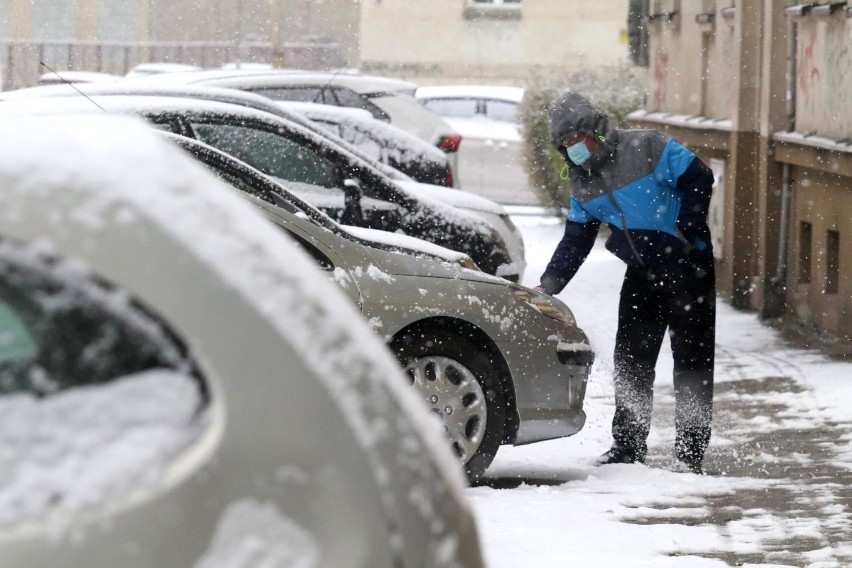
(85,446)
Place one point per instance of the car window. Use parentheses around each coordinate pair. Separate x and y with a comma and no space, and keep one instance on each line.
(97,395)
(59,330)
(301,94)
(501,110)
(455,108)
(365,140)
(349,98)
(271,153)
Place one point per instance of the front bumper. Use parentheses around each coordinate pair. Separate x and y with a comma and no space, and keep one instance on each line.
(550,385)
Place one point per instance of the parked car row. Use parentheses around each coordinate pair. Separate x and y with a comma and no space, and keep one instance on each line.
(246,339)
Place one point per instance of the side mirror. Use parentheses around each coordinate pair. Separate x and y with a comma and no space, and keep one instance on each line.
(352,212)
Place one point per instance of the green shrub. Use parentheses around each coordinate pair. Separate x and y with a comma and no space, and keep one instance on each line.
(616,91)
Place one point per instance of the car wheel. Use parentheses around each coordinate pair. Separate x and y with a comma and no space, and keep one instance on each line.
(460,385)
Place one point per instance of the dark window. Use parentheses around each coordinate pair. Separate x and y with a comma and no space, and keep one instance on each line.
(805,239)
(61,329)
(301,94)
(271,153)
(832,262)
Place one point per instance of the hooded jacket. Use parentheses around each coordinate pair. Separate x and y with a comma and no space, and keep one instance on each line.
(651,190)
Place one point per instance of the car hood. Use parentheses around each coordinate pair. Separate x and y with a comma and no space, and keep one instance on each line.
(454,197)
(401,263)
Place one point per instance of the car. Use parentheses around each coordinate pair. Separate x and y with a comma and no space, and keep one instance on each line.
(389,100)
(180,385)
(329,176)
(491,160)
(499,363)
(383,142)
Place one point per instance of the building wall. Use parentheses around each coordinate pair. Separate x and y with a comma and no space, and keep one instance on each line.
(824,202)
(443,40)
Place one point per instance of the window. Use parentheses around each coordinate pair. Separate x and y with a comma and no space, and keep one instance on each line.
(453,108)
(325,94)
(90,382)
(805,238)
(832,262)
(271,153)
(501,111)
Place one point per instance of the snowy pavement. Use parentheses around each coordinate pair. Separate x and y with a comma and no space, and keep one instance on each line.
(779,485)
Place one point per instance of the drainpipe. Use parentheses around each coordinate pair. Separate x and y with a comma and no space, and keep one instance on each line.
(786,172)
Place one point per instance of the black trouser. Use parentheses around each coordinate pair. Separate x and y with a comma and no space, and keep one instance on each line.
(682,298)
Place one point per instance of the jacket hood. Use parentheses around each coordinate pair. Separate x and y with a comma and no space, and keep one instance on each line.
(570,114)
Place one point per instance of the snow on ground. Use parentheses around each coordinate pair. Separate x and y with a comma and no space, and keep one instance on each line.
(546,505)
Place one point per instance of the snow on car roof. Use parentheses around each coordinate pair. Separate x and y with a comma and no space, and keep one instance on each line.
(512,94)
(110,170)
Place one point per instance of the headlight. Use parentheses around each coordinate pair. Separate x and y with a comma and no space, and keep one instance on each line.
(544,304)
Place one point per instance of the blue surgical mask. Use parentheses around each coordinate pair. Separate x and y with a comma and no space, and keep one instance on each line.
(579,153)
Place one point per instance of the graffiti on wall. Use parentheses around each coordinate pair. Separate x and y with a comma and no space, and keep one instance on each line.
(838,52)
(661,77)
(808,67)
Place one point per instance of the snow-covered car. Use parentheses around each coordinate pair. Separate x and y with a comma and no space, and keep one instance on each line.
(498,362)
(181,386)
(383,142)
(480,206)
(350,188)
(491,159)
(389,100)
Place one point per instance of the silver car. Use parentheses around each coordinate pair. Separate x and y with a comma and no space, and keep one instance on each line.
(181,387)
(497,362)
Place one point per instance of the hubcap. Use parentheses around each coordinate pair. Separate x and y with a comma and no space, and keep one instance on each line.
(454,394)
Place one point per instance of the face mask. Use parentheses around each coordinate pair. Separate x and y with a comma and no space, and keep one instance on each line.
(579,153)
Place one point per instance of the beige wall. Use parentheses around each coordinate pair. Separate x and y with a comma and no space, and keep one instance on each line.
(824,201)
(824,76)
(423,39)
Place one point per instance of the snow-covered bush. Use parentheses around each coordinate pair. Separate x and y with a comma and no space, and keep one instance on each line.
(615,90)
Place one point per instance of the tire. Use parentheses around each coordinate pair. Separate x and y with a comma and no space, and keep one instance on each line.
(459,384)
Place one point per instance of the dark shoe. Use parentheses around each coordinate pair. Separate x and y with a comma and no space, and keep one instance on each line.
(619,454)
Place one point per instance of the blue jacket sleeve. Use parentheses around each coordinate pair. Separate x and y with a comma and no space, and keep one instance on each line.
(570,253)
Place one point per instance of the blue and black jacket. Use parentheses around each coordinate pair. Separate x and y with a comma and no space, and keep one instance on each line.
(651,190)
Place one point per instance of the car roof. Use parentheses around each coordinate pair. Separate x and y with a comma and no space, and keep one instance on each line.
(511,94)
(362,84)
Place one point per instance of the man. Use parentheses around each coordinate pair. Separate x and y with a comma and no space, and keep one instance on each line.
(654,194)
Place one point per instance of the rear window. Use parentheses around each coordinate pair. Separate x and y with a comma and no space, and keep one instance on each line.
(455,108)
